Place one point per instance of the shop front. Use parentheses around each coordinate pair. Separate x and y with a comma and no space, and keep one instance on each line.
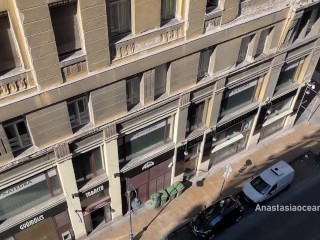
(35,209)
(147,178)
(228,139)
(187,158)
(273,115)
(95,203)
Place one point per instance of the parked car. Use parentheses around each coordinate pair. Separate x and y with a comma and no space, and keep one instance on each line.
(270,182)
(218,216)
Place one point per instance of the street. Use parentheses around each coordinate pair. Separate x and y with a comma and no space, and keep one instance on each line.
(259,225)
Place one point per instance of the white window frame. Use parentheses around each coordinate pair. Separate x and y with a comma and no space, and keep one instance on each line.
(79,118)
(18,140)
(121,26)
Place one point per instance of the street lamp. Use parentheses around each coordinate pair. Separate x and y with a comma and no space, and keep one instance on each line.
(136,203)
(310,86)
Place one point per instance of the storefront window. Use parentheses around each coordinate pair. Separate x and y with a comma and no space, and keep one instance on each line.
(88,165)
(281,106)
(29,193)
(288,74)
(237,98)
(272,128)
(145,140)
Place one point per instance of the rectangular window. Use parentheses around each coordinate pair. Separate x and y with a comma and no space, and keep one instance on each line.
(120,17)
(28,194)
(279,105)
(168,10)
(288,75)
(261,48)
(145,140)
(236,98)
(204,62)
(211,5)
(78,111)
(9,58)
(65,27)
(17,135)
(133,91)
(160,80)
(245,42)
(88,165)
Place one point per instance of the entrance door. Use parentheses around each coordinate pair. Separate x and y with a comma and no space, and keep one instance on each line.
(151,180)
(97,217)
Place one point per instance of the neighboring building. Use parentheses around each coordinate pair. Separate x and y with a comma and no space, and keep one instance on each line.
(158,90)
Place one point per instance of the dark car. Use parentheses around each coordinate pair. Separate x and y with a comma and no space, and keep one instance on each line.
(217,217)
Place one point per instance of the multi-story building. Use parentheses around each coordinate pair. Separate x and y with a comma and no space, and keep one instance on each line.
(154,91)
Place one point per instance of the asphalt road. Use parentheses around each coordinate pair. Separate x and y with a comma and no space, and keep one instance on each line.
(259,225)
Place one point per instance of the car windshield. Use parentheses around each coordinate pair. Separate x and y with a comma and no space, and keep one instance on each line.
(260,185)
(214,214)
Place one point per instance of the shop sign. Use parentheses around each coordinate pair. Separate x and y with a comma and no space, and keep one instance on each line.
(21,186)
(20,226)
(31,222)
(95,190)
(147,165)
(93,207)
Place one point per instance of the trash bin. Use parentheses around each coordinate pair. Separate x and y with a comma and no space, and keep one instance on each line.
(156,199)
(172,191)
(164,196)
(179,187)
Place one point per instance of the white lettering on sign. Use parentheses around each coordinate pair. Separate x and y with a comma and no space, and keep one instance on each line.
(94,191)
(20,186)
(147,165)
(31,222)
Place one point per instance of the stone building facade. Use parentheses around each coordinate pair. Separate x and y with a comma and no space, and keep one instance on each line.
(157,90)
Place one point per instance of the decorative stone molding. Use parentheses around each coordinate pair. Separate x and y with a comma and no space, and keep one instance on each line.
(147,40)
(110,131)
(74,69)
(184,99)
(12,85)
(212,23)
(61,150)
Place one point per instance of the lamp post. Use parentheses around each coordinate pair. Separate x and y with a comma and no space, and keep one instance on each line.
(130,211)
(136,202)
(309,86)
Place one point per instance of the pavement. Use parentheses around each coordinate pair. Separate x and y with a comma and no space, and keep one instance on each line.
(153,224)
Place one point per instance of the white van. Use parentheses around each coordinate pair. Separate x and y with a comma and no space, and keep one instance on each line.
(269,182)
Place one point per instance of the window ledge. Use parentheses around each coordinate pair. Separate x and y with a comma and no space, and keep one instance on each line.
(277,117)
(12,73)
(216,12)
(286,89)
(78,56)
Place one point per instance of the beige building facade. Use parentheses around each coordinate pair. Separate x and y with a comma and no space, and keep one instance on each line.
(154,91)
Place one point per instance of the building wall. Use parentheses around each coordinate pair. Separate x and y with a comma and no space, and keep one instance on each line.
(41,90)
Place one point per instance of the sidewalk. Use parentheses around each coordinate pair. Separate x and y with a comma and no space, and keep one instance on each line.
(154,224)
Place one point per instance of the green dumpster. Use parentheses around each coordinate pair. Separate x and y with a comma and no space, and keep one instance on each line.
(156,199)
(164,196)
(172,191)
(179,187)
